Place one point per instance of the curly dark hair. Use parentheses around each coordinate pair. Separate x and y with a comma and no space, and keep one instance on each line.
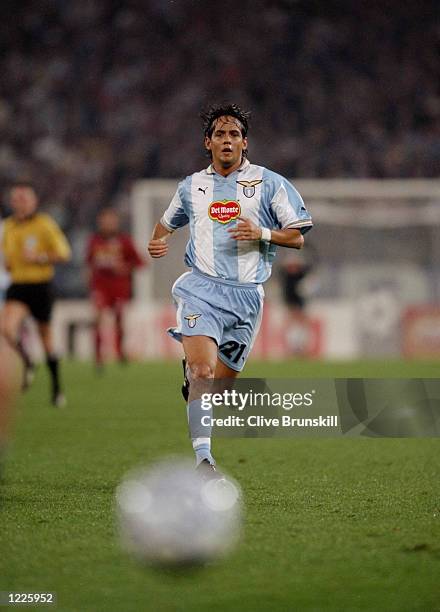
(23,183)
(212,113)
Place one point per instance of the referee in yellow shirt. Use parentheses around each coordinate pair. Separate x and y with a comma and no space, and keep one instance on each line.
(32,243)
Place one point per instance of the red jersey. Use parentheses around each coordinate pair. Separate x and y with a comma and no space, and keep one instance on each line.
(112,260)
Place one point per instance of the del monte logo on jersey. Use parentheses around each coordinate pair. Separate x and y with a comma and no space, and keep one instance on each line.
(224,211)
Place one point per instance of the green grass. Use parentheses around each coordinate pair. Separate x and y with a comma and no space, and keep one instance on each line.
(331,525)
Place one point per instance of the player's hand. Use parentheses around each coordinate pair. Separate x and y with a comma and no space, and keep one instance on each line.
(245,230)
(157,248)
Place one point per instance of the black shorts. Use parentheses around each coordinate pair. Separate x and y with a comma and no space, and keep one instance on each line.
(293,298)
(38,297)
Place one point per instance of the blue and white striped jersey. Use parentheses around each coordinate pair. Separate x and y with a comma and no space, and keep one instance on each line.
(211,204)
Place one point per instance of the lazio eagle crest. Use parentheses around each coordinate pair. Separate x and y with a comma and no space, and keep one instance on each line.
(249,187)
(192,319)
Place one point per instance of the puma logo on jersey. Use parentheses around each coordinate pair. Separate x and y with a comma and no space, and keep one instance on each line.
(249,187)
(203,190)
(192,319)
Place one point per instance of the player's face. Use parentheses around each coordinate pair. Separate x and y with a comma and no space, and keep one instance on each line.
(108,223)
(226,143)
(24,201)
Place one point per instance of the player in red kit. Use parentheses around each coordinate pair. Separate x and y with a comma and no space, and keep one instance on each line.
(111,257)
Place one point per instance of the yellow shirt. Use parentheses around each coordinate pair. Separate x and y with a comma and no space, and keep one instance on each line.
(39,235)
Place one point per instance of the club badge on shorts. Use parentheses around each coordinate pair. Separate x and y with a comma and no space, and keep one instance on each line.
(192,319)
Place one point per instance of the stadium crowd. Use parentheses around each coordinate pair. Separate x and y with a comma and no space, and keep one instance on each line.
(96,94)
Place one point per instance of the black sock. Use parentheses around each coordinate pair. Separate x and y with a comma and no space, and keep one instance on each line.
(53,365)
(23,354)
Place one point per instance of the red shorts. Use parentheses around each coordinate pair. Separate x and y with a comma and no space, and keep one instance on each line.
(110,296)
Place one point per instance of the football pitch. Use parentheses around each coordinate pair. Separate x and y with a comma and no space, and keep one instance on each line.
(331,525)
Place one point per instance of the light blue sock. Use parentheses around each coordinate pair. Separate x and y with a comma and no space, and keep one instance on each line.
(200,434)
(202,449)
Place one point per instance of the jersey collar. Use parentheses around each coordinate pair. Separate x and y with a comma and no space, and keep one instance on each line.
(28,218)
(244,165)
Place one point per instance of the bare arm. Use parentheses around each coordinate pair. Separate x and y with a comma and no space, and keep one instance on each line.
(290,238)
(247,230)
(158,247)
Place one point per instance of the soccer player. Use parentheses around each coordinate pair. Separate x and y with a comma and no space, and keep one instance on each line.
(4,276)
(111,257)
(294,269)
(9,386)
(238,213)
(32,243)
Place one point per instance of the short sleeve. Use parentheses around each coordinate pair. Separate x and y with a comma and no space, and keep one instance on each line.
(175,215)
(2,237)
(57,242)
(289,209)
(131,254)
(2,244)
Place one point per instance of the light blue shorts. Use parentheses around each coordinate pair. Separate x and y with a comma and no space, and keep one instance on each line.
(223,310)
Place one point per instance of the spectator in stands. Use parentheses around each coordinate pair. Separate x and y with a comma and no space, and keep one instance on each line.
(95,95)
